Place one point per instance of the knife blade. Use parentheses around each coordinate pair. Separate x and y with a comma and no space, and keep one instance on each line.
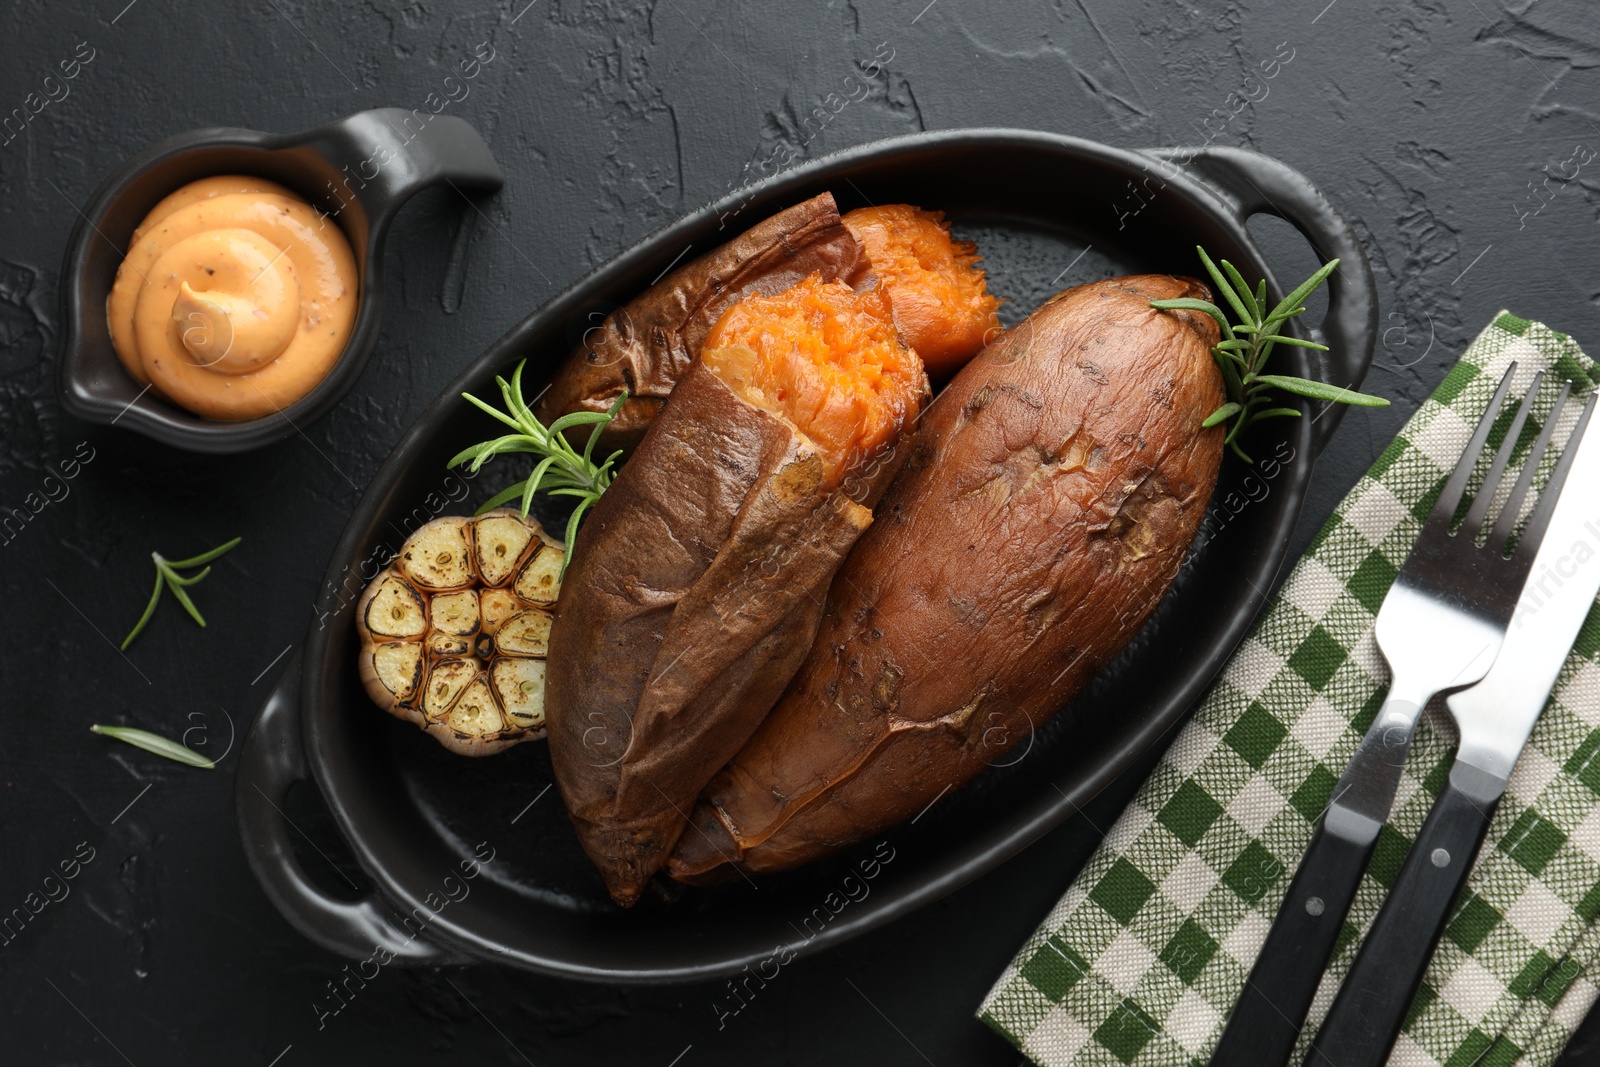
(1495,718)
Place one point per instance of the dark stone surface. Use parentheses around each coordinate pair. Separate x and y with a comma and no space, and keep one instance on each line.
(1430,123)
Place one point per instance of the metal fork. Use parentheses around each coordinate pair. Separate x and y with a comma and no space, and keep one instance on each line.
(1440,628)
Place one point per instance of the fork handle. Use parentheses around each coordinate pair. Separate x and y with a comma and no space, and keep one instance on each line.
(1262,1030)
(1371,1006)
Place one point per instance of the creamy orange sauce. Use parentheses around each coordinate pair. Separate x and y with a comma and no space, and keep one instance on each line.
(235,299)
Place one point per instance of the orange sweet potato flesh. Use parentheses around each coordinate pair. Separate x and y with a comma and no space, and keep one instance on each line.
(1051,495)
(648,344)
(827,359)
(698,579)
(941,303)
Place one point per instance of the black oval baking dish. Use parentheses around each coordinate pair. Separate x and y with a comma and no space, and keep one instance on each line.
(475,859)
(405,151)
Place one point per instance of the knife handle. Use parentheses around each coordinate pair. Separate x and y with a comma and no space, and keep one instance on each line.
(1265,1022)
(1371,1006)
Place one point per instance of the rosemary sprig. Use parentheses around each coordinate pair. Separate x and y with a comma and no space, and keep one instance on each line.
(1247,343)
(562,470)
(161,746)
(167,575)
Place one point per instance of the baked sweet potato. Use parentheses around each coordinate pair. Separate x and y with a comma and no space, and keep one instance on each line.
(1050,497)
(697,582)
(648,344)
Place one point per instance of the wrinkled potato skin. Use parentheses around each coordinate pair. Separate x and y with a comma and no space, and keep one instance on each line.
(694,592)
(1052,494)
(649,343)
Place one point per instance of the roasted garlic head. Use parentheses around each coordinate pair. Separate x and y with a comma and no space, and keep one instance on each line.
(455,630)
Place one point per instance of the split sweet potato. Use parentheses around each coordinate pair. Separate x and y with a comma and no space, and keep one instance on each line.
(698,580)
(1051,495)
(939,301)
(648,344)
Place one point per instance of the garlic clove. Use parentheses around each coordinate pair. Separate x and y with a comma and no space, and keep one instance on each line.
(438,555)
(519,685)
(539,580)
(500,541)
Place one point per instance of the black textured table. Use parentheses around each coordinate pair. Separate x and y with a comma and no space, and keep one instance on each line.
(1447,130)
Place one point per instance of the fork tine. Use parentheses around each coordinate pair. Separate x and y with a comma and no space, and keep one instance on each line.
(1530,467)
(1444,508)
(1502,459)
(1534,532)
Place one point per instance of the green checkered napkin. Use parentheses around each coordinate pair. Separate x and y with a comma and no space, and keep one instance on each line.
(1143,958)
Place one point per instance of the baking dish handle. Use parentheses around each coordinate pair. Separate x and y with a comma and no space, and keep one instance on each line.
(387,154)
(272,761)
(1250,183)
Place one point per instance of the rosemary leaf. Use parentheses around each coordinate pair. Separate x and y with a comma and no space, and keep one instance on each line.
(1322,391)
(183,598)
(149,610)
(530,486)
(1185,303)
(181,580)
(204,557)
(1221,415)
(512,402)
(150,742)
(524,412)
(510,492)
(484,449)
(1305,289)
(572,531)
(579,418)
(594,435)
(1225,288)
(486,408)
(1242,287)
(1279,339)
